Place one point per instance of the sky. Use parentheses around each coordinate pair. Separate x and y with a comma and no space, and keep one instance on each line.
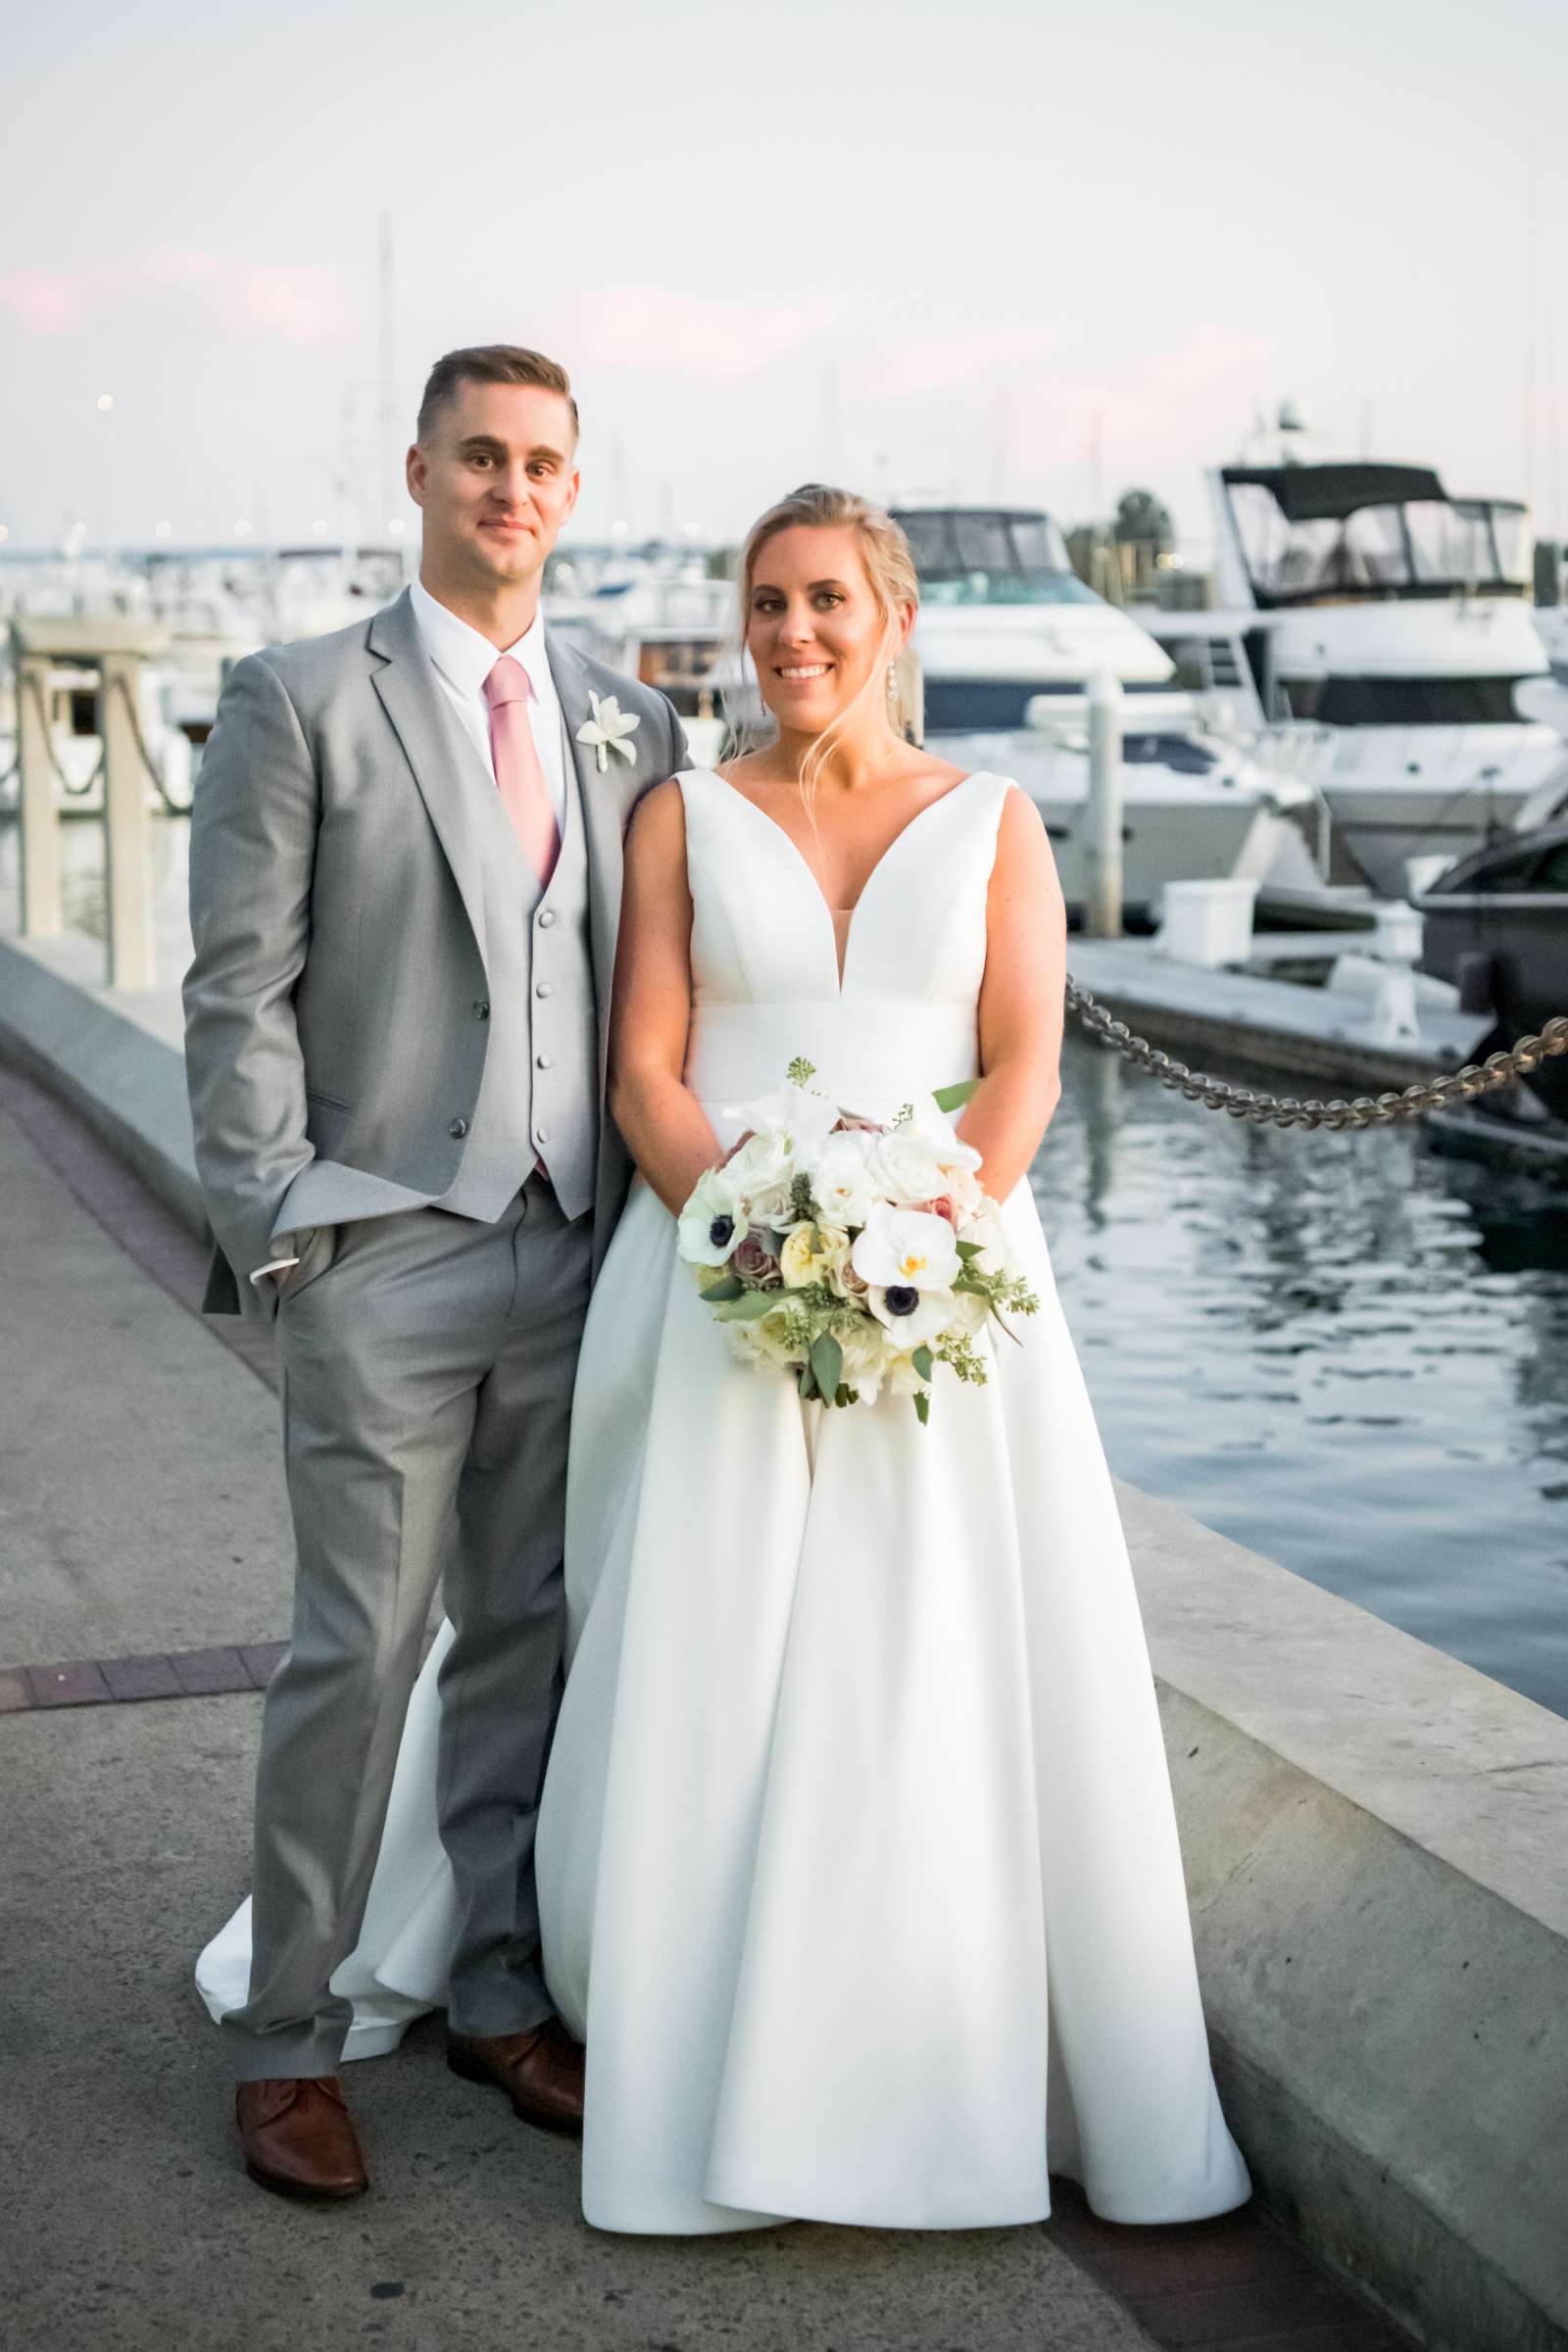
(1010,249)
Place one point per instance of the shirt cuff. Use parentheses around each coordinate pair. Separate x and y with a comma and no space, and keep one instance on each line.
(273,1265)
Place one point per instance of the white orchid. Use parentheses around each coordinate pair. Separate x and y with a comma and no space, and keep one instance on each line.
(610,730)
(905,1249)
(791,1118)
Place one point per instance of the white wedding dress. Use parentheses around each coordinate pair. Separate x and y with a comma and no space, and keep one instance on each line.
(858,1864)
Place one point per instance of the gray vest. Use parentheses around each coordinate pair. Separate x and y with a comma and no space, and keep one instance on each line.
(539,1096)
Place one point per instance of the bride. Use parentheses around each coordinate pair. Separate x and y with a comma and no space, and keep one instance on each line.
(857,1865)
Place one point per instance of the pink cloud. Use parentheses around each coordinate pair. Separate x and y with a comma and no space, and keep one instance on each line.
(301,303)
(654,331)
(47,302)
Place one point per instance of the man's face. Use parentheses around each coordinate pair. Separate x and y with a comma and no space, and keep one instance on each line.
(495,479)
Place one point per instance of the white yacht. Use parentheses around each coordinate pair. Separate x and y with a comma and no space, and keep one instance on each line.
(1008,639)
(657,616)
(1380,635)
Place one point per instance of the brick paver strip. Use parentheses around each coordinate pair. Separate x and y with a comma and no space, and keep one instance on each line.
(131,1678)
(77,1683)
(210,1673)
(221,1673)
(262,1661)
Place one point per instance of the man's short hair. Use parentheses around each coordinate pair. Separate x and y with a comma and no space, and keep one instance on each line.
(491,364)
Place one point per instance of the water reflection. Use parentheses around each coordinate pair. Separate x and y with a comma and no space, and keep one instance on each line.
(81,857)
(1343,1350)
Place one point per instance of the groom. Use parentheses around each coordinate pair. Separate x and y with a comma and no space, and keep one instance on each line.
(404,874)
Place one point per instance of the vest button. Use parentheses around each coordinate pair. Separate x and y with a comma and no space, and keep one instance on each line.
(540,1135)
(481,1011)
(541,1062)
(544,988)
(546,915)
(457,1130)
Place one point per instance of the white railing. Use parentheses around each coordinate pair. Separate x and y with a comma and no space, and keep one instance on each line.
(115,647)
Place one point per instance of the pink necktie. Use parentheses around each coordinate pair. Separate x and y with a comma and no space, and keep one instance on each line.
(519,771)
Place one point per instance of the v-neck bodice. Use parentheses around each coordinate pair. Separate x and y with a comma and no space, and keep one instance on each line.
(765,978)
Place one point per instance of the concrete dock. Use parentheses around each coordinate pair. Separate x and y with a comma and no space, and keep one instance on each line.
(1373,1836)
(147,1542)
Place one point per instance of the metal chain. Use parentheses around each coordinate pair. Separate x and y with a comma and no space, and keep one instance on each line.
(33,688)
(1366,1111)
(118,686)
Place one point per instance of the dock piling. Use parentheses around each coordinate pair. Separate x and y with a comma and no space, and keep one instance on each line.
(42,904)
(1102,909)
(117,647)
(127,828)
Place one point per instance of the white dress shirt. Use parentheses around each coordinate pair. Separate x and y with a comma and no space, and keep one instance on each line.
(463,660)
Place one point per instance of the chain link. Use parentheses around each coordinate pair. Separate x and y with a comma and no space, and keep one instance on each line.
(118,686)
(32,687)
(1283,1110)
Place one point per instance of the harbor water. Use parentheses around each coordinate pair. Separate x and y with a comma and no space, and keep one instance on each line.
(1349,1352)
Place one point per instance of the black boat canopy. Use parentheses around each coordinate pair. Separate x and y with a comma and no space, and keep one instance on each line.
(1311,533)
(1320,493)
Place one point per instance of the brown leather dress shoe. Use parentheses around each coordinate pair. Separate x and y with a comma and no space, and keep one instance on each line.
(541,2072)
(299,2139)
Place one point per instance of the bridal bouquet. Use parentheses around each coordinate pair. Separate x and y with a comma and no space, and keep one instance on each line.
(855,1254)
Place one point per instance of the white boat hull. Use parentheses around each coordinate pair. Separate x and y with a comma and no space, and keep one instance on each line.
(1176,827)
(1401,793)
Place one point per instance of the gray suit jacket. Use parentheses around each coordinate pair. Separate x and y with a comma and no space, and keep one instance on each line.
(335,912)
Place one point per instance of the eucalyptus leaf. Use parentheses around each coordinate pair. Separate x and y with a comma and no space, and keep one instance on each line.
(827,1365)
(923,1362)
(953,1097)
(968,1250)
(730,1286)
(749,1307)
(922,1409)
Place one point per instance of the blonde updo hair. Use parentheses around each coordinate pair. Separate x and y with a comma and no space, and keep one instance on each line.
(890,570)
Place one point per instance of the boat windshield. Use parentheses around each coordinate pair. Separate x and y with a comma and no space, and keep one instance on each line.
(975,556)
(1427,545)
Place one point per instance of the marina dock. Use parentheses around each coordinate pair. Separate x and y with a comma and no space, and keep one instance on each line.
(1244,1016)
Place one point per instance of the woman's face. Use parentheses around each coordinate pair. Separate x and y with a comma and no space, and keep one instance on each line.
(814,628)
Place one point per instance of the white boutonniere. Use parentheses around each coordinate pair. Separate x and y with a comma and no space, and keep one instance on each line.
(608,731)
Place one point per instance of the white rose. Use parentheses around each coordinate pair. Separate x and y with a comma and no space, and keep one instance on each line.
(903,1378)
(985,1231)
(908,1167)
(844,1182)
(866,1357)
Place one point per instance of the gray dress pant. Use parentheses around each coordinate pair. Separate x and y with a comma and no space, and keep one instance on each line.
(426,1372)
